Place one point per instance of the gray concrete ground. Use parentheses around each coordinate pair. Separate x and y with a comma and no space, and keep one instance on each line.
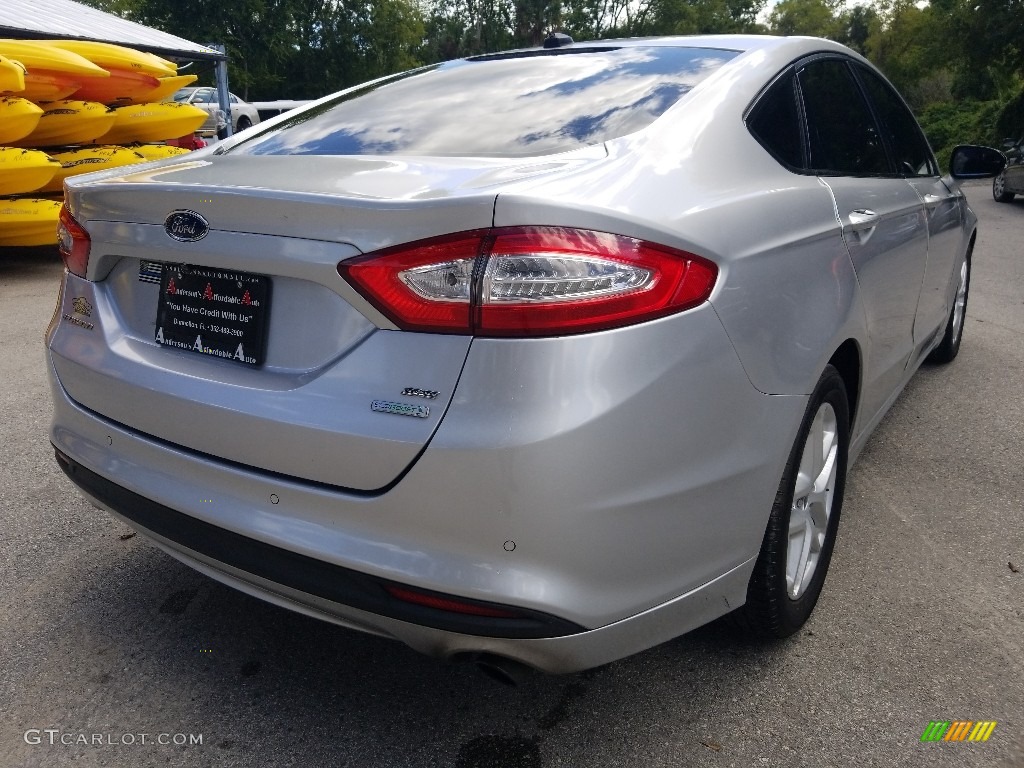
(103,637)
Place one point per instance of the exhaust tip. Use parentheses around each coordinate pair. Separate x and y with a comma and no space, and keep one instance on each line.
(505,671)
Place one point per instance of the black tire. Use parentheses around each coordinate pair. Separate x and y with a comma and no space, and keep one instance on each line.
(243,123)
(999,193)
(777,607)
(949,347)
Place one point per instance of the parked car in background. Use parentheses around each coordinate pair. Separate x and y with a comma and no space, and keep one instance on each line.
(243,115)
(1010,182)
(269,109)
(541,357)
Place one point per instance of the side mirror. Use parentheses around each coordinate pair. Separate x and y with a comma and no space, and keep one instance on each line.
(973,162)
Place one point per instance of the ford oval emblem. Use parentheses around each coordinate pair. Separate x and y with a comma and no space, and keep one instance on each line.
(186,226)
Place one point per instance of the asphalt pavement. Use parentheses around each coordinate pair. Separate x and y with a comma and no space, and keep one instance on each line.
(114,654)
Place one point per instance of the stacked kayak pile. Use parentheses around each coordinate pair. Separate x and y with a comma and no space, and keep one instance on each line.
(70,107)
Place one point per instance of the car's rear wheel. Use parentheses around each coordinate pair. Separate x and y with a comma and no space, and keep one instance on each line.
(243,123)
(801,533)
(999,189)
(949,347)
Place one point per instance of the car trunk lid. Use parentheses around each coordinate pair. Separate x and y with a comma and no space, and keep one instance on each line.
(342,397)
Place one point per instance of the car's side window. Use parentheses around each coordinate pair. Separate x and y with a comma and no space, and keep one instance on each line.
(775,123)
(912,154)
(843,138)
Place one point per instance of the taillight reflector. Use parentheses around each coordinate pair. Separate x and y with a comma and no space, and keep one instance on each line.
(73,243)
(451,605)
(529,281)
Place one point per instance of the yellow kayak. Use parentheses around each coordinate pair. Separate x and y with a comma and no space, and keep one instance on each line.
(24,170)
(110,56)
(158,151)
(18,118)
(146,123)
(122,87)
(166,89)
(38,54)
(42,86)
(12,75)
(28,222)
(69,122)
(88,159)
(51,73)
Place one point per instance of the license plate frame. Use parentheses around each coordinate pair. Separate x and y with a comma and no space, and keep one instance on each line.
(221,313)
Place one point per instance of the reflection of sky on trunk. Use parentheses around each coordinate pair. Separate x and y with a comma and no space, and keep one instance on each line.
(508,106)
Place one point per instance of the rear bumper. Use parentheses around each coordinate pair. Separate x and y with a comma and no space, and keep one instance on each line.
(547,644)
(298,573)
(526,497)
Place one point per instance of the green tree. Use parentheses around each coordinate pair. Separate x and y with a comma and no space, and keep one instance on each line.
(960,52)
(818,18)
(855,26)
(993,32)
(533,20)
(701,17)
(904,45)
(596,19)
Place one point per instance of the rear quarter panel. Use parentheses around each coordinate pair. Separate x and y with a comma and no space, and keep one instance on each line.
(697,180)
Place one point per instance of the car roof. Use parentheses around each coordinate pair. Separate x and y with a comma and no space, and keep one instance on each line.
(775,50)
(739,43)
(729,42)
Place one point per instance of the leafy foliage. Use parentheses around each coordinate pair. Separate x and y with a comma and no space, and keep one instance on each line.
(947,124)
(806,17)
(958,62)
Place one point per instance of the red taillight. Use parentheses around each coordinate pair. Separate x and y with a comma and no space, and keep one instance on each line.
(451,605)
(422,286)
(73,242)
(529,281)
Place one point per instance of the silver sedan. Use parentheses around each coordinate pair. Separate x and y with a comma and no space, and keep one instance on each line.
(535,358)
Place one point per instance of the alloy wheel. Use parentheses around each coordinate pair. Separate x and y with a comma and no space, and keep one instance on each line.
(813,494)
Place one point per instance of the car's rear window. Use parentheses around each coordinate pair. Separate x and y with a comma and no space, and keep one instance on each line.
(506,105)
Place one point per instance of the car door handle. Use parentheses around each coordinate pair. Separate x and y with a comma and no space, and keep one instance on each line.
(931,202)
(935,203)
(862,224)
(863,218)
